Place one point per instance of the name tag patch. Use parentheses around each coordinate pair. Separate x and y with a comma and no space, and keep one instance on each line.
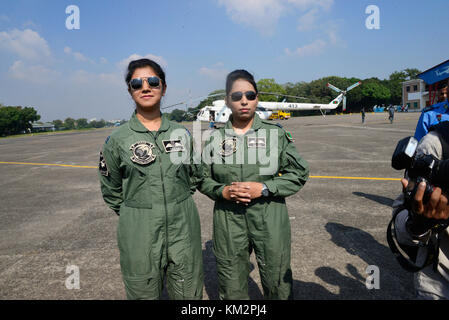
(173,145)
(254,142)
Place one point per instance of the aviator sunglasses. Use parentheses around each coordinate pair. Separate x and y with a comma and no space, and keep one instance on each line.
(238,95)
(137,83)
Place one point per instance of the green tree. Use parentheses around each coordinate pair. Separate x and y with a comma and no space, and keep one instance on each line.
(98,124)
(58,124)
(270,85)
(375,93)
(14,120)
(177,115)
(394,84)
(27,117)
(82,123)
(69,123)
(412,73)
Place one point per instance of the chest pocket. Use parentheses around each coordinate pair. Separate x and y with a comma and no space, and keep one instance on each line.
(136,191)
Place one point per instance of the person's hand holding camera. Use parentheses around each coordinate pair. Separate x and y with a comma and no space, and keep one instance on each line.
(425,215)
(436,208)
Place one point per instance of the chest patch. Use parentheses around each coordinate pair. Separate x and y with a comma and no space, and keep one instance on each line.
(228,146)
(173,145)
(254,142)
(142,152)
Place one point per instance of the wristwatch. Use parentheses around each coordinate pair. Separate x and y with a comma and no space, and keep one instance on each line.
(265,191)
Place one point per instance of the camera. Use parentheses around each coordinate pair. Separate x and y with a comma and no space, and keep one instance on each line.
(419,168)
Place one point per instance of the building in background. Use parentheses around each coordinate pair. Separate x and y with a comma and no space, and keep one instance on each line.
(43,127)
(415,94)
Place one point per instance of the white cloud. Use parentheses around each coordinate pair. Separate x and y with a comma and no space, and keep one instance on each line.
(123,65)
(313,48)
(35,74)
(216,72)
(264,14)
(261,14)
(89,79)
(307,4)
(307,21)
(27,44)
(77,55)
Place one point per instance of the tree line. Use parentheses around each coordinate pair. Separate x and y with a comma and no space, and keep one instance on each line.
(16,120)
(372,92)
(82,123)
(19,120)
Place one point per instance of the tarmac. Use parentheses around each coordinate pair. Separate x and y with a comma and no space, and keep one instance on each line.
(54,220)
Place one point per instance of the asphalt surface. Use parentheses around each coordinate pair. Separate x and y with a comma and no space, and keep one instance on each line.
(53,217)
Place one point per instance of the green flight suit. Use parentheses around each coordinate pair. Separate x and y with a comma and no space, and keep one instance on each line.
(264,224)
(159,228)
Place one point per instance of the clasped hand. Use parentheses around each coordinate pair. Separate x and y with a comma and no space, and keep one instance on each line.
(243,192)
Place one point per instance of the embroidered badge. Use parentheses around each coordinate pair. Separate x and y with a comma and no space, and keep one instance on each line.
(142,152)
(173,145)
(439,117)
(289,136)
(254,142)
(228,146)
(102,166)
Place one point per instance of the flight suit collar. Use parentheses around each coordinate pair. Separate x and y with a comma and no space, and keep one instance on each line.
(257,124)
(137,126)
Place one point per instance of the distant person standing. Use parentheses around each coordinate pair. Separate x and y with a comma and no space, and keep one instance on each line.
(211,122)
(391,113)
(363,115)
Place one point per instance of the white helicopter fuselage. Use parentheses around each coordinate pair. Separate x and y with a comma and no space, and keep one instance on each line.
(220,112)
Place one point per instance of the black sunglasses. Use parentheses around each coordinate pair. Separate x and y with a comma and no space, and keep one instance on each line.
(238,95)
(137,83)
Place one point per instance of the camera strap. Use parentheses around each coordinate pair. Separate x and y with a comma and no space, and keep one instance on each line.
(411,251)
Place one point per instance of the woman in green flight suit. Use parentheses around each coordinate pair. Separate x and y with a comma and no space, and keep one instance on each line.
(250,166)
(147,178)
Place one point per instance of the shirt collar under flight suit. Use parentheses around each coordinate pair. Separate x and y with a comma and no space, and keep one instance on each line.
(136,125)
(257,124)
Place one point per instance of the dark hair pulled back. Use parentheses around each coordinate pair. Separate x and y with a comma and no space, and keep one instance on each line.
(142,63)
(239,74)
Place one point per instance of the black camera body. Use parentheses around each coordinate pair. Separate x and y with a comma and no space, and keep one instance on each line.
(419,168)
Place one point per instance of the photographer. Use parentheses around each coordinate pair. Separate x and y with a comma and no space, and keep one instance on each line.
(418,234)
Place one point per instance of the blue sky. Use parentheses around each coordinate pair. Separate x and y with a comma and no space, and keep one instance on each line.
(79,73)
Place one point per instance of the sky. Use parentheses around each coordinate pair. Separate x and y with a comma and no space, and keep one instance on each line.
(65,72)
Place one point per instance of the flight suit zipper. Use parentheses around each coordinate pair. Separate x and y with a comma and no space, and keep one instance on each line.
(241,180)
(163,191)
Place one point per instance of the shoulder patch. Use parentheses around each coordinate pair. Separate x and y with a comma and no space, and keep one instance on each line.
(188,132)
(289,136)
(102,167)
(107,139)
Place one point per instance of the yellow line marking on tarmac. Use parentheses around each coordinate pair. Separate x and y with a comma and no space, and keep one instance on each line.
(91,167)
(355,178)
(49,164)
